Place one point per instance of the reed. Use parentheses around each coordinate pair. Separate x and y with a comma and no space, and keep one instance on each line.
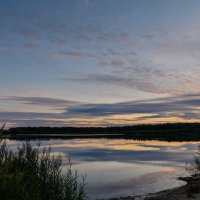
(29,174)
(193,168)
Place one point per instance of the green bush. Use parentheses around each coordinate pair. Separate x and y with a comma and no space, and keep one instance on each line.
(28,174)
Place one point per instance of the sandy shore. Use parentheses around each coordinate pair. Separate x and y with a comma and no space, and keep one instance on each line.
(189,191)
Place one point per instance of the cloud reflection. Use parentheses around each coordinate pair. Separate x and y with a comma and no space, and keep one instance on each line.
(121,167)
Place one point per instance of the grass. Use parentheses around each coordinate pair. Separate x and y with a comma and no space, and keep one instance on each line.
(193,168)
(28,174)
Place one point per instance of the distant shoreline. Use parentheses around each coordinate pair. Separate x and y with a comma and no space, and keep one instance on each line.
(60,136)
(94,136)
(163,132)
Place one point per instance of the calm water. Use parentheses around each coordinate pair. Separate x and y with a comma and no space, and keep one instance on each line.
(121,167)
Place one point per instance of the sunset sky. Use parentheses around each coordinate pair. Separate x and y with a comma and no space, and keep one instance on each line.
(99,62)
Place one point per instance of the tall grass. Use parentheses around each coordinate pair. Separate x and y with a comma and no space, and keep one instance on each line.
(193,168)
(28,174)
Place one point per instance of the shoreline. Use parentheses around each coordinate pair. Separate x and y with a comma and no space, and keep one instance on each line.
(163,132)
(67,136)
(189,191)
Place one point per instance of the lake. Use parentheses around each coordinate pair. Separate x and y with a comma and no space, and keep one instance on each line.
(119,167)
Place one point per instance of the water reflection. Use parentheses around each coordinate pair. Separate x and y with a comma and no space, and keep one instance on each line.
(123,167)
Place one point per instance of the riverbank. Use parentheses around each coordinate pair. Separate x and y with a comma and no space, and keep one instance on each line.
(189,191)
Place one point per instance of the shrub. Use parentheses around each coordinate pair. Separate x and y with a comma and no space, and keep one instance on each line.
(193,168)
(29,174)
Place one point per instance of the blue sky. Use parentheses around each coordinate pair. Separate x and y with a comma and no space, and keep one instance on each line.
(99,62)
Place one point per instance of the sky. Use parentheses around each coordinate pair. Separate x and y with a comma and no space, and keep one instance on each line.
(99,62)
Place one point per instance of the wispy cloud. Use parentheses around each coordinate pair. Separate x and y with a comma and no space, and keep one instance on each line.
(168,106)
(129,82)
(41,101)
(74,55)
(185,107)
